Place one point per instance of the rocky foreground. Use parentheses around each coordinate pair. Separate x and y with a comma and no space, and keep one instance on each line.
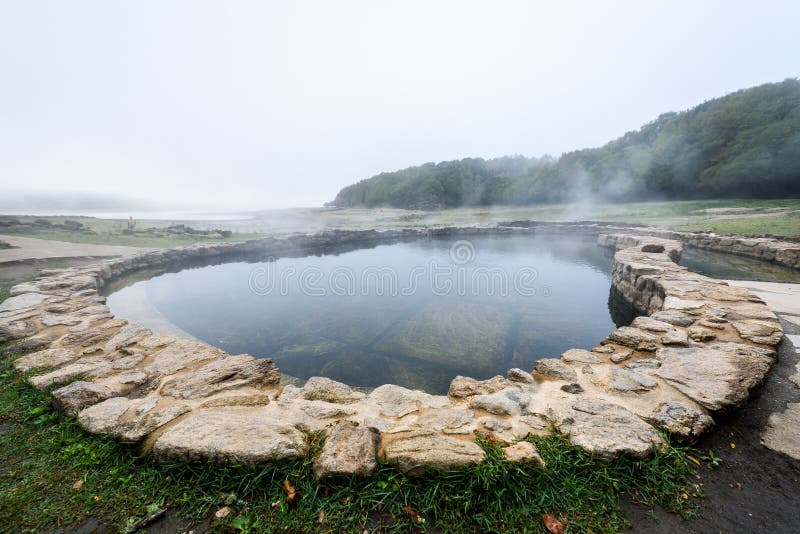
(701,349)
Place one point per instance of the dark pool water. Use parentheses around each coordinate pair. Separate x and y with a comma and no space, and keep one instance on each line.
(732,267)
(414,314)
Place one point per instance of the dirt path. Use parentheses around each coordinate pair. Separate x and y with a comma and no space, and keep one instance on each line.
(29,248)
(754,489)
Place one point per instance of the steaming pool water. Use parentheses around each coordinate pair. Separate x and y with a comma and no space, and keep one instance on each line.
(414,313)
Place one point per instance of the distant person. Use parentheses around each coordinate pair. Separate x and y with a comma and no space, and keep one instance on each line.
(131,223)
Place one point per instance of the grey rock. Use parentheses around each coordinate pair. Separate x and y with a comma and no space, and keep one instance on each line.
(21,302)
(16,329)
(137,428)
(555,369)
(223,374)
(78,395)
(413,452)
(325,389)
(445,418)
(675,337)
(765,332)
(523,452)
(127,335)
(719,377)
(680,419)
(397,401)
(627,380)
(621,356)
(506,402)
(66,373)
(580,356)
(349,449)
(218,437)
(520,376)
(634,338)
(606,430)
(572,388)
(464,386)
(102,417)
(652,325)
(44,358)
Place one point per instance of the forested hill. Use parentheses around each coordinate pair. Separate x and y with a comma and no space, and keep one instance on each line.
(745,144)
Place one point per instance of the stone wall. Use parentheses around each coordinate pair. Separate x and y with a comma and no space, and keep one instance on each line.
(702,350)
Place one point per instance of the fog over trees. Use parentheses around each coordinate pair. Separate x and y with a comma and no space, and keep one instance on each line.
(745,144)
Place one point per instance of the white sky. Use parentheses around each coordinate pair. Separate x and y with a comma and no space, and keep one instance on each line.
(240,104)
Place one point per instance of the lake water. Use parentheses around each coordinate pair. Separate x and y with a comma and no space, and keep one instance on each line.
(414,314)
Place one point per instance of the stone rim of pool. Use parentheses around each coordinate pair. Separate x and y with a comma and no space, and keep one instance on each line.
(699,351)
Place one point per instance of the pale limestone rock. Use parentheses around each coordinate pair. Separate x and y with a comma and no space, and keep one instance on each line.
(414,452)
(325,389)
(520,376)
(218,437)
(324,410)
(78,395)
(464,386)
(60,320)
(445,418)
(179,355)
(620,356)
(652,325)
(102,417)
(21,302)
(718,377)
(675,337)
(523,452)
(44,358)
(397,401)
(603,349)
(127,335)
(606,430)
(506,402)
(685,305)
(137,428)
(67,373)
(627,380)
(349,449)
(634,338)
(555,369)
(31,344)
(237,398)
(701,335)
(680,419)
(580,356)
(223,374)
(766,332)
(11,330)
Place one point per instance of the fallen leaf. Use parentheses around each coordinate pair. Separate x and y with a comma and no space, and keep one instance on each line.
(292,495)
(97,498)
(222,512)
(321,517)
(733,445)
(413,513)
(553,525)
(695,460)
(78,485)
(685,496)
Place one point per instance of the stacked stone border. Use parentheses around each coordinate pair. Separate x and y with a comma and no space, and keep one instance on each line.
(700,349)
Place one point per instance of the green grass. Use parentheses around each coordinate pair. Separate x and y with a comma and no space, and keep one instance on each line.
(788,225)
(44,454)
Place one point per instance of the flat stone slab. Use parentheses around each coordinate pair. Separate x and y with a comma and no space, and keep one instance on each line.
(606,430)
(21,302)
(45,358)
(414,452)
(782,433)
(217,437)
(719,377)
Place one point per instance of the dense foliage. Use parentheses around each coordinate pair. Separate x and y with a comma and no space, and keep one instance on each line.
(744,144)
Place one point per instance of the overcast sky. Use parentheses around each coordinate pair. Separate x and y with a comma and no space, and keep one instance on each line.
(265,104)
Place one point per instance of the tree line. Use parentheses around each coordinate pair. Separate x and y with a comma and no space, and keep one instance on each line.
(745,144)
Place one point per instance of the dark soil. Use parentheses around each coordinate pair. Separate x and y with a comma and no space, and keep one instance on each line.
(753,489)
